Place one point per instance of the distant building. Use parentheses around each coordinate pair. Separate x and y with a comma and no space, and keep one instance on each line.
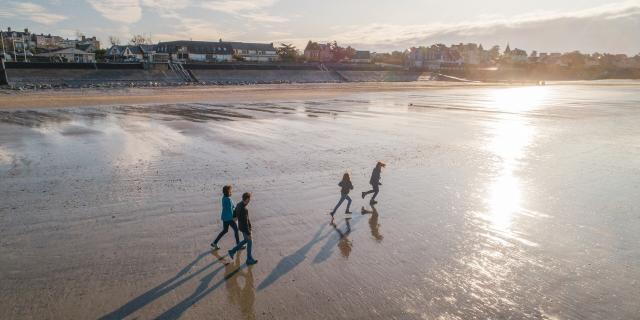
(254,52)
(69,55)
(435,57)
(198,51)
(472,54)
(47,41)
(18,41)
(361,57)
(318,52)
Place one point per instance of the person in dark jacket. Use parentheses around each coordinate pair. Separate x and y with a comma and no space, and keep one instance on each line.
(226,217)
(346,187)
(375,182)
(244,225)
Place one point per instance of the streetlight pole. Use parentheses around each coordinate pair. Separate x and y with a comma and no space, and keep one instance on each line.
(2,39)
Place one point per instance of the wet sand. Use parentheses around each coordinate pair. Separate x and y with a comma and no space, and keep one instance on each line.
(497,202)
(220,94)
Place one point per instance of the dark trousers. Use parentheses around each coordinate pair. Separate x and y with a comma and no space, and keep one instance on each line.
(344,196)
(246,240)
(225,228)
(376,189)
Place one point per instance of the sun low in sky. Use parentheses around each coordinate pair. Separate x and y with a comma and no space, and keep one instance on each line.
(543,25)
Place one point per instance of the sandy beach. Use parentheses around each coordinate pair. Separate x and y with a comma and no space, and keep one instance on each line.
(220,94)
(498,202)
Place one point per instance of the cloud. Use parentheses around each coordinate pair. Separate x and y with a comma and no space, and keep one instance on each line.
(31,11)
(611,28)
(250,10)
(125,11)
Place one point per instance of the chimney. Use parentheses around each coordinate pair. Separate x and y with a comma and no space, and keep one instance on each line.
(83,38)
(8,29)
(26,30)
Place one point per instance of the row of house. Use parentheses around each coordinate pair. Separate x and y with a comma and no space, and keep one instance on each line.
(195,51)
(439,56)
(25,40)
(325,52)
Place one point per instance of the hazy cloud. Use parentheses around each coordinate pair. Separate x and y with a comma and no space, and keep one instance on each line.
(251,10)
(31,11)
(125,11)
(612,27)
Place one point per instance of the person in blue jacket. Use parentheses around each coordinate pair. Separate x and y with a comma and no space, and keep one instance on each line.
(227,217)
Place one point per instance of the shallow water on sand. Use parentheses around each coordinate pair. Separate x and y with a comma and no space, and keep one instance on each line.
(496,203)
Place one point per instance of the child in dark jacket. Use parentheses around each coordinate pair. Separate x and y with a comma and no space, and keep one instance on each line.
(346,187)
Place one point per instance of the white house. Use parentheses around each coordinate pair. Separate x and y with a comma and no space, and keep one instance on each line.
(198,51)
(255,52)
(70,55)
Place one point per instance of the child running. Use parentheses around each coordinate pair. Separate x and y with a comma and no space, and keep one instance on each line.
(227,217)
(346,187)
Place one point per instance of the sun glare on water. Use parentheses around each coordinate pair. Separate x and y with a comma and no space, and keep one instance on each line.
(510,136)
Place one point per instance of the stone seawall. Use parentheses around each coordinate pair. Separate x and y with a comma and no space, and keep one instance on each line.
(105,75)
(79,78)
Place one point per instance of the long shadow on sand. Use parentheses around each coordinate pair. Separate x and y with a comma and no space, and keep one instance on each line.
(179,279)
(203,289)
(291,261)
(339,240)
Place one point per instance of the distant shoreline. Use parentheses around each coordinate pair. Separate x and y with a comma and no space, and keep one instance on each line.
(36,99)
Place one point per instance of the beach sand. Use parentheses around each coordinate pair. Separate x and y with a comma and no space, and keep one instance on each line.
(497,202)
(221,94)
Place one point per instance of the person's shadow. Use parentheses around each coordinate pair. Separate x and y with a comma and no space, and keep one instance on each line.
(291,261)
(373,223)
(341,239)
(203,289)
(148,297)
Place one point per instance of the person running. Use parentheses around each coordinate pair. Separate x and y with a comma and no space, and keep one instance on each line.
(346,186)
(375,182)
(244,225)
(227,217)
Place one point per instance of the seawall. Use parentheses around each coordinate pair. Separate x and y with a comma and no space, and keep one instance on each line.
(44,75)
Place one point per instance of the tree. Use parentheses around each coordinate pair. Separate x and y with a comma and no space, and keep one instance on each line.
(574,59)
(139,39)
(494,52)
(114,41)
(101,54)
(287,52)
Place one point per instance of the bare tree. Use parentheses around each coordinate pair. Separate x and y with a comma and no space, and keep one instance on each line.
(140,39)
(114,40)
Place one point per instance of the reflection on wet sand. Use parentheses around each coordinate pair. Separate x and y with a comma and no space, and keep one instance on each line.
(374,226)
(344,244)
(243,296)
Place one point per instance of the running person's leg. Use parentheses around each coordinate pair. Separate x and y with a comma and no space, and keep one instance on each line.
(342,197)
(376,189)
(348,203)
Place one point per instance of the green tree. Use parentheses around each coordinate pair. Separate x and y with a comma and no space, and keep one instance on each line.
(101,54)
(288,52)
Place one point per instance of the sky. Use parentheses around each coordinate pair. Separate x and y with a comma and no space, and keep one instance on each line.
(543,25)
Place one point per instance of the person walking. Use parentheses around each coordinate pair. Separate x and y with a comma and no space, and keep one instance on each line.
(244,225)
(227,217)
(346,186)
(375,182)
